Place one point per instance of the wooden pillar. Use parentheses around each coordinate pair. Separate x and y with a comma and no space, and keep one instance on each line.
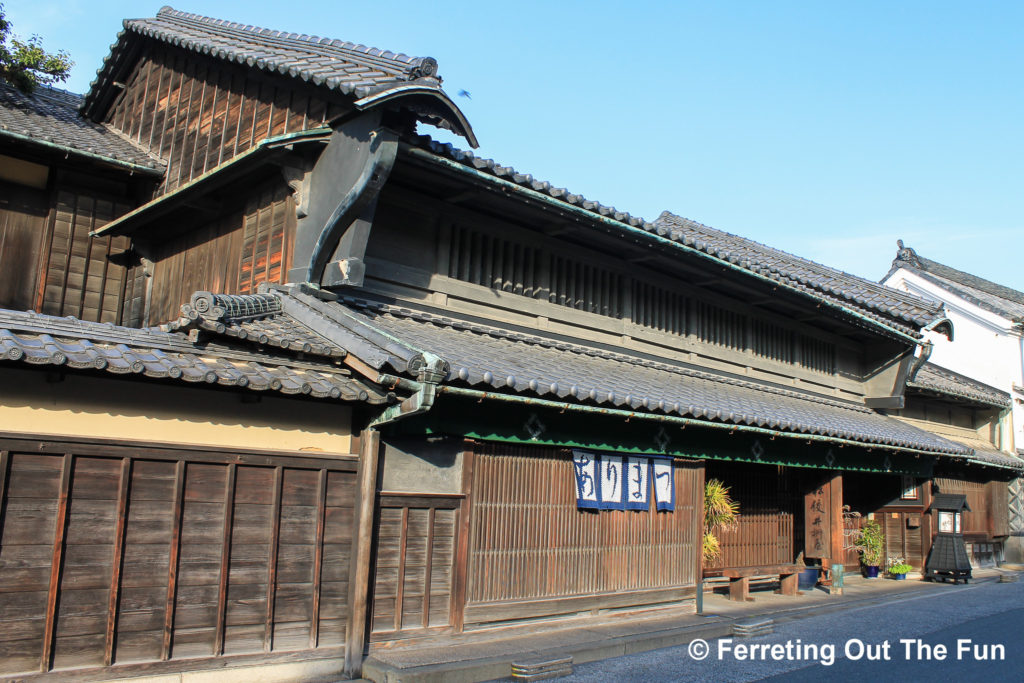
(837,553)
(362,551)
(461,574)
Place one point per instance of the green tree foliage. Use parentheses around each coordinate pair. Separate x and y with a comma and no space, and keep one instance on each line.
(25,64)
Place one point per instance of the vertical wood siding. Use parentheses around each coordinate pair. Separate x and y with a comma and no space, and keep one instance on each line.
(529,541)
(113,555)
(231,255)
(764,533)
(987,517)
(504,265)
(81,279)
(196,113)
(412,585)
(23,219)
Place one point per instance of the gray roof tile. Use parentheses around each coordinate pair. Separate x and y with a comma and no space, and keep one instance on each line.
(347,67)
(50,116)
(67,342)
(898,310)
(931,377)
(990,296)
(394,339)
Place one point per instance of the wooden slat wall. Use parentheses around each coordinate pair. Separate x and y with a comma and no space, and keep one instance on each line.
(197,113)
(79,278)
(901,541)
(764,534)
(413,578)
(528,540)
(977,521)
(135,555)
(23,217)
(230,255)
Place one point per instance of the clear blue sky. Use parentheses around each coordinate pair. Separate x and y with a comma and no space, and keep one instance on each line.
(826,129)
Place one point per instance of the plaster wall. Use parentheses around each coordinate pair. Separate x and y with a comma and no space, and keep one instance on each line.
(420,466)
(99,407)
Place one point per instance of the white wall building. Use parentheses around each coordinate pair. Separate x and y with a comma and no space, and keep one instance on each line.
(987,345)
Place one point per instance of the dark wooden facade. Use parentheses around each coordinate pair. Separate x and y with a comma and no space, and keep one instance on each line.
(151,559)
(532,553)
(245,246)
(196,112)
(49,262)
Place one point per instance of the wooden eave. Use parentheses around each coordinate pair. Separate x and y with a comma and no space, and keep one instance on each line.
(180,211)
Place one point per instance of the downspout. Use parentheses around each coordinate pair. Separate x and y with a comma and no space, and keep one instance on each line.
(920,360)
(424,388)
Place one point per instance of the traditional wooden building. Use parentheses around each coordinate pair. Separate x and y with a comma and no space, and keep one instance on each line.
(512,394)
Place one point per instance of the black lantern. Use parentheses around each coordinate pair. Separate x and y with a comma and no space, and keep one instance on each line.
(948,556)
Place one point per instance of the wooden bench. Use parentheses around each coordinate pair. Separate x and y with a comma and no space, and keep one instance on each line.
(739,579)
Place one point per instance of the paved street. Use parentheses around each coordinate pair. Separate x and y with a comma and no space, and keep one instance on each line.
(860,642)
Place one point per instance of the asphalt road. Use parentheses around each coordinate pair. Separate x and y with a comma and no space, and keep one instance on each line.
(980,627)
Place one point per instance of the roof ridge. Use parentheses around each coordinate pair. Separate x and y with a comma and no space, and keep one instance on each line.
(374,57)
(815,265)
(987,286)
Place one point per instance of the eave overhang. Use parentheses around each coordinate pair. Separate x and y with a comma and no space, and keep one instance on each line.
(182,209)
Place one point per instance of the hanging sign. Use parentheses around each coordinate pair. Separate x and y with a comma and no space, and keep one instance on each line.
(612,489)
(664,484)
(637,483)
(587,482)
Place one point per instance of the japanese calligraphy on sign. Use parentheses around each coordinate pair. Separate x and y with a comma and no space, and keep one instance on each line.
(817,522)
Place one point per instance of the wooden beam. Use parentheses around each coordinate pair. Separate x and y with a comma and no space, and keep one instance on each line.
(403,542)
(57,560)
(225,559)
(118,560)
(429,568)
(460,571)
(318,556)
(362,551)
(836,551)
(275,540)
(172,569)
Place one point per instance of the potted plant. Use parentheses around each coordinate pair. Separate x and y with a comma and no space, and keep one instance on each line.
(720,513)
(898,568)
(871,543)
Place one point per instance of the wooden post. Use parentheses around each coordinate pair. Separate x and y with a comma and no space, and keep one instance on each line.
(57,561)
(788,584)
(362,551)
(461,573)
(836,551)
(117,561)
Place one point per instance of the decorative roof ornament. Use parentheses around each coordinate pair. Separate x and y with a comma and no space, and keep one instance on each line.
(906,256)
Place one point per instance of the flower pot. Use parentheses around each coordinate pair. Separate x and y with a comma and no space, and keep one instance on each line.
(808,578)
(899,577)
(871,572)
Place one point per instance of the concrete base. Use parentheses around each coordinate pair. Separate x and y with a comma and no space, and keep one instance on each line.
(313,671)
(1013,550)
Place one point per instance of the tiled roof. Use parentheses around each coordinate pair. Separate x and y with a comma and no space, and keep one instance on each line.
(347,67)
(882,303)
(898,310)
(990,456)
(50,116)
(396,340)
(67,342)
(986,294)
(931,377)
